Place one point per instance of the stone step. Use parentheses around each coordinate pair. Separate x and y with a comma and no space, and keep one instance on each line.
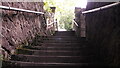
(65,44)
(64,41)
(55,52)
(54,59)
(64,37)
(70,33)
(59,48)
(65,33)
(62,50)
(56,48)
(60,41)
(70,39)
(20,64)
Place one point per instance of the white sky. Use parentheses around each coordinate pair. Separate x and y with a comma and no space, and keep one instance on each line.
(78,3)
(81,3)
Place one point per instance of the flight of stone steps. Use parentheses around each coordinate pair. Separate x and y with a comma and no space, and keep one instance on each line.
(62,50)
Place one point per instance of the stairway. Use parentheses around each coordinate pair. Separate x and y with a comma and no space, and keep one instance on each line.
(63,49)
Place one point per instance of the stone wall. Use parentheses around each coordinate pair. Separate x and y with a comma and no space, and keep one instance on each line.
(20,27)
(80,20)
(103,29)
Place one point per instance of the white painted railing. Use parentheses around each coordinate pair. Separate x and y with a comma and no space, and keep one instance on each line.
(75,23)
(101,8)
(22,10)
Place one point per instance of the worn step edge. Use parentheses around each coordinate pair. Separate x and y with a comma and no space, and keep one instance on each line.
(57,48)
(50,50)
(47,64)
(67,59)
(65,43)
(55,56)
(55,53)
(33,64)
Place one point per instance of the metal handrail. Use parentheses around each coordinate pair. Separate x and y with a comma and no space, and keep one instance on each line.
(51,24)
(101,8)
(75,23)
(97,9)
(22,10)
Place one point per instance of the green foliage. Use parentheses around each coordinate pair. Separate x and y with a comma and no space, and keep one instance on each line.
(1,57)
(64,12)
(48,4)
(66,19)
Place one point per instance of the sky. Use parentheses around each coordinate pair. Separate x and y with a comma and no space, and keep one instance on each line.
(81,3)
(78,3)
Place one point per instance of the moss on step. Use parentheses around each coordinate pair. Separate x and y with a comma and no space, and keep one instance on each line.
(23,48)
(24,51)
(1,58)
(8,64)
(19,58)
(37,40)
(30,47)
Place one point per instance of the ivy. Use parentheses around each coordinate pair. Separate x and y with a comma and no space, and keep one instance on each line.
(1,57)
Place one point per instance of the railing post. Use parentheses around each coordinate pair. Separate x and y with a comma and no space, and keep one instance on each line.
(56,24)
(51,21)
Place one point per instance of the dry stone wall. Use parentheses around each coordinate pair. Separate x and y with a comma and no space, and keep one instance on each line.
(80,20)
(21,27)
